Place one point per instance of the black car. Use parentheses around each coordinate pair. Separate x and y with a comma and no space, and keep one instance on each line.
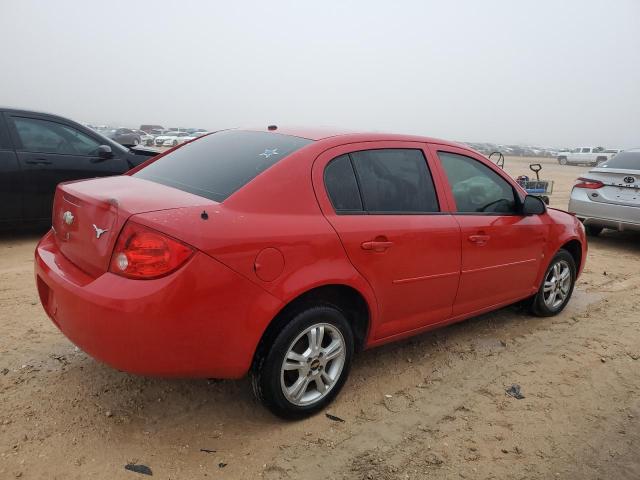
(39,150)
(124,136)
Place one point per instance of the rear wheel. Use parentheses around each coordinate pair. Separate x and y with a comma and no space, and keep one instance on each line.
(557,286)
(136,141)
(593,230)
(307,364)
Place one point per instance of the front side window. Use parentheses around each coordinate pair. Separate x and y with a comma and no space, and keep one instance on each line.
(586,150)
(477,188)
(43,136)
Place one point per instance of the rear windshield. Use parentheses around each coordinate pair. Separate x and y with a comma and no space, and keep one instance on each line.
(624,160)
(217,165)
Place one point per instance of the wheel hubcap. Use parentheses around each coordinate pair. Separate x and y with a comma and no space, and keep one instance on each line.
(557,284)
(313,364)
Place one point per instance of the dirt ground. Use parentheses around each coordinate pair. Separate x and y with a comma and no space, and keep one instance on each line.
(431,407)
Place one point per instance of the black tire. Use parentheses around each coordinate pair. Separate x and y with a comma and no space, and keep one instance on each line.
(266,371)
(136,141)
(562,160)
(174,143)
(593,230)
(538,306)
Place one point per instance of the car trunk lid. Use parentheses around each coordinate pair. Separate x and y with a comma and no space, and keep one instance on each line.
(621,187)
(88,215)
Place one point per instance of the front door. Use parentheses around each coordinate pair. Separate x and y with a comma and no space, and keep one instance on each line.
(384,204)
(51,152)
(501,248)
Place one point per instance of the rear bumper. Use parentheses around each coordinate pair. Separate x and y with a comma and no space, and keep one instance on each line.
(617,217)
(204,320)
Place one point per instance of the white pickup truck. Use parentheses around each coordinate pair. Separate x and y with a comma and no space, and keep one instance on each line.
(584,155)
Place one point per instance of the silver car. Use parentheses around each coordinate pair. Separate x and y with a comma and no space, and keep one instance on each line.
(609,195)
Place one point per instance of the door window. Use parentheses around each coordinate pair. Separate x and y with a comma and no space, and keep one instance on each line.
(382,181)
(477,188)
(342,187)
(43,136)
(586,150)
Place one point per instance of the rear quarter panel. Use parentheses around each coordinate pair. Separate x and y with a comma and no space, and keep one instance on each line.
(276,212)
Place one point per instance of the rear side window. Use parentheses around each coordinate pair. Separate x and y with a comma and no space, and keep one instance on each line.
(217,165)
(476,188)
(624,160)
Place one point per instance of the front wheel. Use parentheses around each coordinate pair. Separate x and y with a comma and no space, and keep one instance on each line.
(557,286)
(562,161)
(307,364)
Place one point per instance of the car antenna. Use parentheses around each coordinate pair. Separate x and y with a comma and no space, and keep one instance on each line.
(204,215)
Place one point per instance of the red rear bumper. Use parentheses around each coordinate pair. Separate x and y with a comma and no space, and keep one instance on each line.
(204,320)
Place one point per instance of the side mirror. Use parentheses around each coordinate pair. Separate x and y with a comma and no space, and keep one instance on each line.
(104,152)
(533,205)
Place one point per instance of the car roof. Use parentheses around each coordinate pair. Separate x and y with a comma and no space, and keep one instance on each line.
(323,133)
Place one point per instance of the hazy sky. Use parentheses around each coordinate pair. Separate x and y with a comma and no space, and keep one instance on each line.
(551,72)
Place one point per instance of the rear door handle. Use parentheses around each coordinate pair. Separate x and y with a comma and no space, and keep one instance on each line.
(376,246)
(479,239)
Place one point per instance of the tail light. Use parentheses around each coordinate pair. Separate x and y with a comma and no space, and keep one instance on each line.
(143,253)
(588,183)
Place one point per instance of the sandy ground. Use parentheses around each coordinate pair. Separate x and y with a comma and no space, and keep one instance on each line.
(430,407)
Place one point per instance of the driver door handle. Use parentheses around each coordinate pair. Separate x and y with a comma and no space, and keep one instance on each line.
(480,239)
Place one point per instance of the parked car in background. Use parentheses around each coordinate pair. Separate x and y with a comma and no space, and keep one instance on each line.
(145,138)
(194,135)
(124,136)
(171,139)
(609,196)
(39,150)
(151,128)
(584,156)
(201,271)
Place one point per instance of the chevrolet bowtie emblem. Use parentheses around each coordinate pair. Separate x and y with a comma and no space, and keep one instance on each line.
(99,231)
(67,217)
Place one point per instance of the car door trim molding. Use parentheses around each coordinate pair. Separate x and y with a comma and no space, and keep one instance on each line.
(493,267)
(424,277)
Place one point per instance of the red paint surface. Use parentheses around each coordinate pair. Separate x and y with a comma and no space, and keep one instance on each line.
(271,241)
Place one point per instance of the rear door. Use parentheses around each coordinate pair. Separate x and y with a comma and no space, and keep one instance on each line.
(51,151)
(11,185)
(501,249)
(385,205)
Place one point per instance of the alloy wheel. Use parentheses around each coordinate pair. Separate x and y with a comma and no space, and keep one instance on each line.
(557,284)
(313,364)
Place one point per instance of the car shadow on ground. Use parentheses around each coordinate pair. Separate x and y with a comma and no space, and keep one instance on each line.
(627,242)
(164,404)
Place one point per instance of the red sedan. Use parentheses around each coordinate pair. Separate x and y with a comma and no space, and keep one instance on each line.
(281,253)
